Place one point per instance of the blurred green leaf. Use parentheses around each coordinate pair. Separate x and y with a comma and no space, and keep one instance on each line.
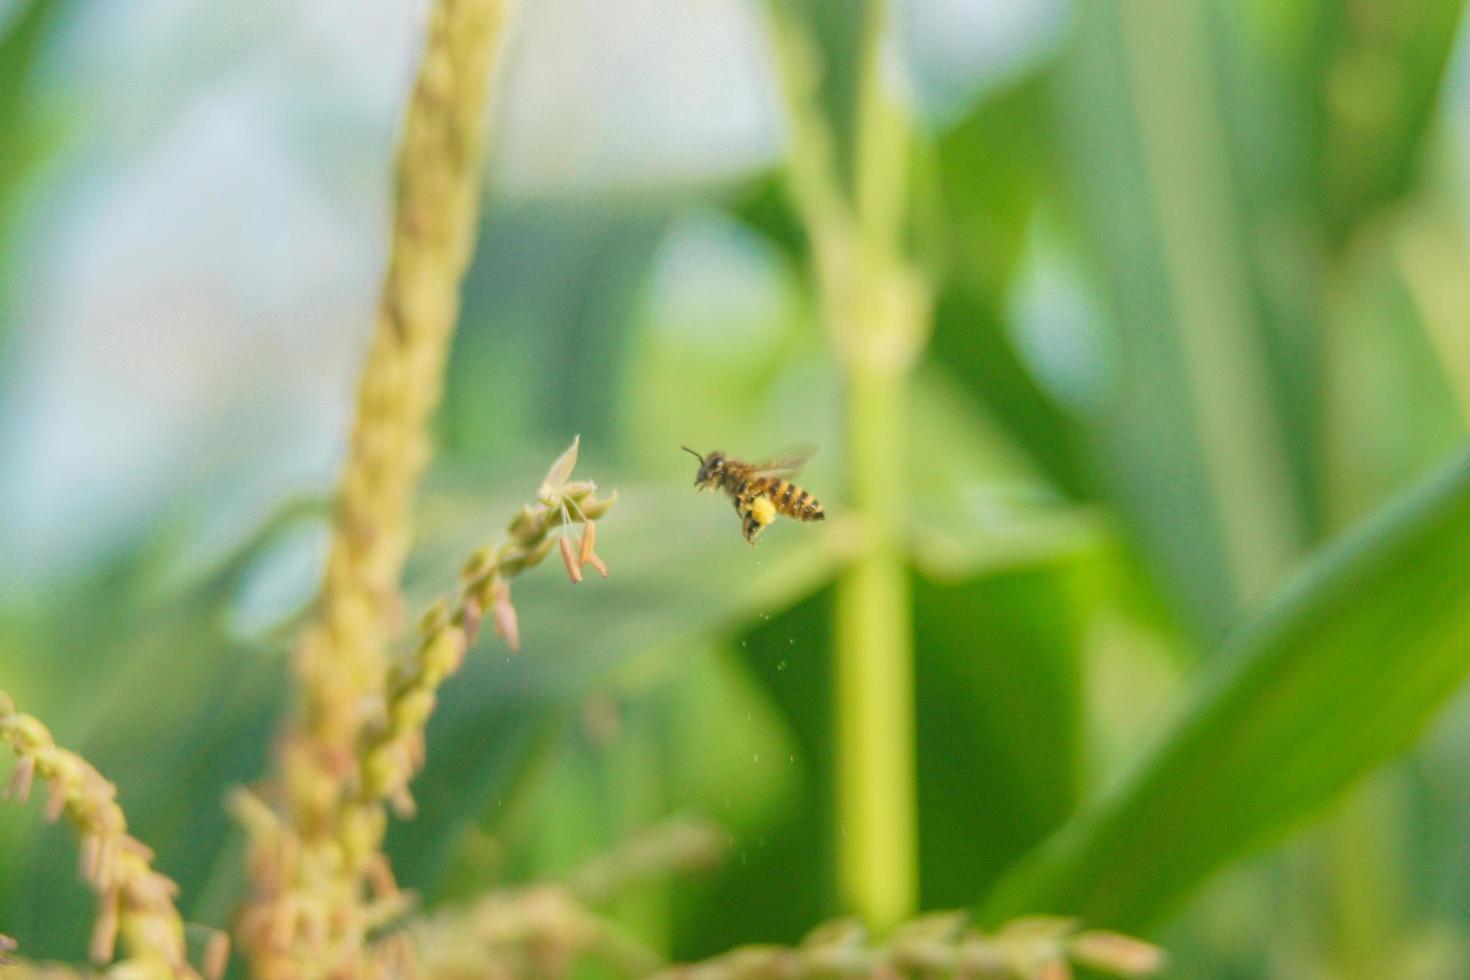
(992,170)
(763,204)
(1339,674)
(21,44)
(982,226)
(1381,74)
(725,332)
(998,680)
(1330,107)
(837,31)
(23,130)
(1192,446)
(675,729)
(1391,407)
(549,302)
(778,881)
(979,504)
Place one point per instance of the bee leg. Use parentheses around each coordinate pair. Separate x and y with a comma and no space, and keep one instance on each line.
(758,515)
(756,520)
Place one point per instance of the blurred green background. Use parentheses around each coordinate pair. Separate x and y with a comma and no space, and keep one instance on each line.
(1201,308)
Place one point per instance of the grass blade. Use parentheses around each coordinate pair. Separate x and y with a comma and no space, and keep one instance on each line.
(1338,675)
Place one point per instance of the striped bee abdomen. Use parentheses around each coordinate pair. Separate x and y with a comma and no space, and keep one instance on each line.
(792,501)
(758,501)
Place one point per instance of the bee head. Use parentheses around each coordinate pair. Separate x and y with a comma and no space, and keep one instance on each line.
(709,469)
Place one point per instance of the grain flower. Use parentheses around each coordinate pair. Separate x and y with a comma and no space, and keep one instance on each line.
(551,930)
(305,916)
(940,944)
(134,901)
(392,750)
(507,625)
(564,496)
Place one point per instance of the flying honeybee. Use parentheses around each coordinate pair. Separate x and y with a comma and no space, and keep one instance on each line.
(760,490)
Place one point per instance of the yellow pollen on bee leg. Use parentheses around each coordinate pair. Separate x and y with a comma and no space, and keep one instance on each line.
(763,510)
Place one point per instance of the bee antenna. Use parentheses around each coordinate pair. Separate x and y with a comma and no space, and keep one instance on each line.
(692,453)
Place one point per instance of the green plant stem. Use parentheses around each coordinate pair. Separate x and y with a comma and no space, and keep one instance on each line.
(874,662)
(880,323)
(876,313)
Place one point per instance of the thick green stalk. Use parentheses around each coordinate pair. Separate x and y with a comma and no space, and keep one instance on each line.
(875,310)
(875,725)
(881,316)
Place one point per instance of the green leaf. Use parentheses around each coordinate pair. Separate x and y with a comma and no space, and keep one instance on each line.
(780,879)
(1381,80)
(1147,160)
(23,129)
(998,678)
(548,303)
(985,225)
(22,41)
(836,31)
(1338,675)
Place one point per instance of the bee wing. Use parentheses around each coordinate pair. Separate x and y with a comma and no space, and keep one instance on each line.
(784,463)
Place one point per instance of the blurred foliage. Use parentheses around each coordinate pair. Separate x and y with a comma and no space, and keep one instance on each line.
(1199,312)
(1340,673)
(24,128)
